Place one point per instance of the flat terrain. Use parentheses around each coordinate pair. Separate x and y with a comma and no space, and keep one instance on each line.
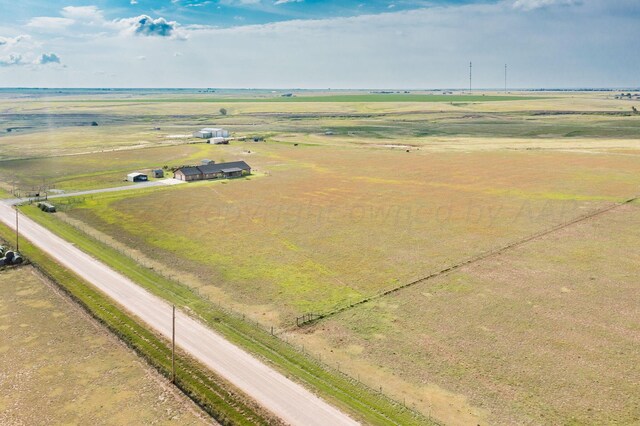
(293,241)
(287,400)
(352,198)
(59,367)
(551,326)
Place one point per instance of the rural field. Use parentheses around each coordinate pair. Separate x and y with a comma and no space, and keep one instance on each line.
(60,367)
(497,218)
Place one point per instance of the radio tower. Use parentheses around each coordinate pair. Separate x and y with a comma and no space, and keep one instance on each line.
(505,78)
(470,75)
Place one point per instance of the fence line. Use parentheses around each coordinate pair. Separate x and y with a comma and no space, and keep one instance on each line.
(477,258)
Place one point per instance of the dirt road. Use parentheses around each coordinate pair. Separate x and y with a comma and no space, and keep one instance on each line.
(286,399)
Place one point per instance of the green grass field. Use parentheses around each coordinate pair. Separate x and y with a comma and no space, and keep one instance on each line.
(396,191)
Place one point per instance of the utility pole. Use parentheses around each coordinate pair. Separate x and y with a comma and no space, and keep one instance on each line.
(17,238)
(173,347)
(470,74)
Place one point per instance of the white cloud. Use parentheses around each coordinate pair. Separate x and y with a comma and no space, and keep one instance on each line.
(145,25)
(50,58)
(277,2)
(49,23)
(83,14)
(133,2)
(538,4)
(201,4)
(425,48)
(10,60)
(90,20)
(10,41)
(240,2)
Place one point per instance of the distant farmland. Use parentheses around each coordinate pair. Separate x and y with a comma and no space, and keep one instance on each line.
(394,97)
(366,193)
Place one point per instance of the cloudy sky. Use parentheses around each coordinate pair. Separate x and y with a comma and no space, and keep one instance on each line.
(319,44)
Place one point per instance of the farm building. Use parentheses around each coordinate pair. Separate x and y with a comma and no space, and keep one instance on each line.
(157,173)
(137,177)
(213,171)
(219,141)
(211,132)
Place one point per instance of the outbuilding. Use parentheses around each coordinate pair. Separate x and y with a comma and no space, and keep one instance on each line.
(211,132)
(137,177)
(216,132)
(202,134)
(157,173)
(219,140)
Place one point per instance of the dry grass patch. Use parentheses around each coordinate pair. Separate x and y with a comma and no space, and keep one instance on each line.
(59,367)
(544,334)
(330,226)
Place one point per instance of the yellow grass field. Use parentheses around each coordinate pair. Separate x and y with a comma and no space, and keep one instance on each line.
(58,366)
(546,333)
(349,200)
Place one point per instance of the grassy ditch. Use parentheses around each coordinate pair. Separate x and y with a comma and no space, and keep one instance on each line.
(217,397)
(341,390)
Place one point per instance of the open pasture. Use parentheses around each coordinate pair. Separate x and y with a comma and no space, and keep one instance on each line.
(340,212)
(100,169)
(329,226)
(546,333)
(57,366)
(60,127)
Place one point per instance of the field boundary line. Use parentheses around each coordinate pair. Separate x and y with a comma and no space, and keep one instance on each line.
(482,256)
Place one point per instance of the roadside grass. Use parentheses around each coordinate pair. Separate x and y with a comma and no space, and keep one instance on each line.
(213,394)
(345,392)
(58,367)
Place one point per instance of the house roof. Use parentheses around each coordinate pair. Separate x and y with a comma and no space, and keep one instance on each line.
(136,174)
(189,170)
(220,167)
(211,129)
(215,168)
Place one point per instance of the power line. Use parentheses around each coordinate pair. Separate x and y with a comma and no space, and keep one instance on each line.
(470,75)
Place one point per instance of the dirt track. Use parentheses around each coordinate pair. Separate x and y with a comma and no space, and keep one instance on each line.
(286,399)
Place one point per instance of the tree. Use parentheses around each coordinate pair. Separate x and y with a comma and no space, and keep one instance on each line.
(223,111)
(635,110)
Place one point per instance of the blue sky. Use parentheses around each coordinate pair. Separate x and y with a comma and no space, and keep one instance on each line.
(319,44)
(221,13)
